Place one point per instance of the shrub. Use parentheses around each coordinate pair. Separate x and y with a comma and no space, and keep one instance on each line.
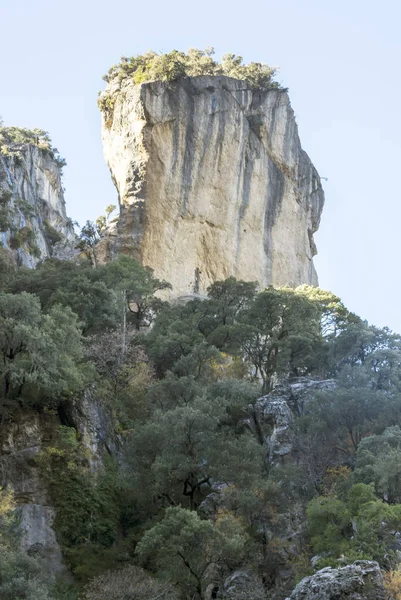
(174,65)
(392,583)
(5,212)
(51,234)
(130,582)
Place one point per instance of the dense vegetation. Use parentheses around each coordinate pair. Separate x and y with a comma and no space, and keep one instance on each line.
(196,496)
(11,139)
(174,65)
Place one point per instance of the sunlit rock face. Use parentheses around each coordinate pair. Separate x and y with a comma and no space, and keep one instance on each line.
(212,182)
(32,198)
(360,581)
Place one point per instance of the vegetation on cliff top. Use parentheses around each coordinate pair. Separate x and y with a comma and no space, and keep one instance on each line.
(11,138)
(174,65)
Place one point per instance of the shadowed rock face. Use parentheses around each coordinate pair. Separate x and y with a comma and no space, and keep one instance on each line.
(22,439)
(212,183)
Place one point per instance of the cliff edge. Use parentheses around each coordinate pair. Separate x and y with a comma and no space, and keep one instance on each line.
(212,182)
(33,219)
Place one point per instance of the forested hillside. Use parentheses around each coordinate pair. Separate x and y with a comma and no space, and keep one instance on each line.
(257,434)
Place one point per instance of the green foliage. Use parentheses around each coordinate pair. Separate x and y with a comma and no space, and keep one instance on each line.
(378,461)
(360,527)
(51,234)
(329,524)
(182,547)
(180,451)
(27,209)
(124,374)
(5,211)
(11,138)
(72,285)
(24,238)
(174,65)
(137,287)
(87,515)
(195,492)
(88,238)
(40,352)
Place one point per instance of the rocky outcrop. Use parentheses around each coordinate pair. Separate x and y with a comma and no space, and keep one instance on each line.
(360,581)
(243,585)
(21,441)
(272,416)
(33,223)
(23,436)
(212,183)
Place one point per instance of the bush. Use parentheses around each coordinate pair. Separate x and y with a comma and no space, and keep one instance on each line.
(5,211)
(52,235)
(174,65)
(130,582)
(10,136)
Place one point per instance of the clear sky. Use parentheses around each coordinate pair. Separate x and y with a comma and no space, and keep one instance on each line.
(340,60)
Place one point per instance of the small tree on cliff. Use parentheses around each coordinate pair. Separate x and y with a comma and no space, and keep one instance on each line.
(40,353)
(184,547)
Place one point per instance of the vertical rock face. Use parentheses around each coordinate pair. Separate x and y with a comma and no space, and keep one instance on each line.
(34,224)
(21,441)
(212,183)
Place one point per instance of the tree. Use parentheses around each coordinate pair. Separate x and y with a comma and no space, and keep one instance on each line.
(183,548)
(74,285)
(87,239)
(186,447)
(124,376)
(41,353)
(102,221)
(358,527)
(278,334)
(378,460)
(329,525)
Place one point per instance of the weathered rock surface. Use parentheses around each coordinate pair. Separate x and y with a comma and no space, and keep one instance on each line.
(243,585)
(21,441)
(212,183)
(360,581)
(272,415)
(22,438)
(31,178)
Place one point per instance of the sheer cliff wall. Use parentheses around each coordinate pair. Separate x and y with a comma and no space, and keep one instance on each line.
(33,220)
(212,182)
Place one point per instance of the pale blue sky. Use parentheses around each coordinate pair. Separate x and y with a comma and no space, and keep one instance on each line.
(340,60)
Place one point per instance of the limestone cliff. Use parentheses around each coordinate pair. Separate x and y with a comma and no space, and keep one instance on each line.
(212,182)
(33,220)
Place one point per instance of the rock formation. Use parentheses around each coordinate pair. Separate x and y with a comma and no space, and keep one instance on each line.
(212,182)
(33,224)
(272,416)
(22,439)
(360,581)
